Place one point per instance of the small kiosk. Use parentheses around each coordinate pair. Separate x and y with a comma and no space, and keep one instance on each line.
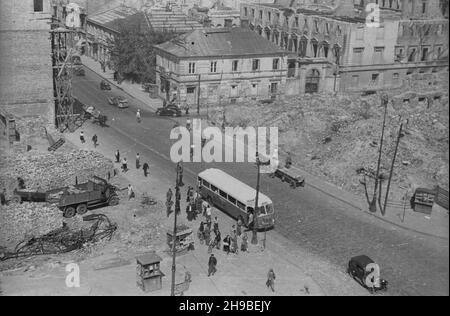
(149,275)
(183,240)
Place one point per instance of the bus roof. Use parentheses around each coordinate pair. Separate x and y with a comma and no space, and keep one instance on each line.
(233,187)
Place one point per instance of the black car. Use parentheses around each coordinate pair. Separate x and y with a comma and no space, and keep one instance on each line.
(359,269)
(104,85)
(170,110)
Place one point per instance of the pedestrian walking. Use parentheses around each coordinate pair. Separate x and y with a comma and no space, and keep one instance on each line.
(130,192)
(244,244)
(216,224)
(217,239)
(226,244)
(207,234)
(117,154)
(186,108)
(3,197)
(212,263)
(180,174)
(138,161)
(271,280)
(239,227)
(250,221)
(145,167)
(188,125)
(200,232)
(169,195)
(192,151)
(234,244)
(288,162)
(138,115)
(189,194)
(94,140)
(82,137)
(208,213)
(124,165)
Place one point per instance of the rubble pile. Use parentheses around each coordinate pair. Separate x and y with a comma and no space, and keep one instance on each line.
(334,135)
(41,172)
(26,220)
(44,171)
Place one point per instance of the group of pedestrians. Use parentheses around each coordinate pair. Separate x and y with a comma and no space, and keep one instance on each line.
(124,163)
(94,139)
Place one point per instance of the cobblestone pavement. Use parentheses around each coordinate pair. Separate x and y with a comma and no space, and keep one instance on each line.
(413,264)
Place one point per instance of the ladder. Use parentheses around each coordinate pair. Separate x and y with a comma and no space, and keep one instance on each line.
(56,145)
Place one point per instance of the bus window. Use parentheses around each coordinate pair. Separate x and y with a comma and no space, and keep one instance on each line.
(269,209)
(223,194)
(241,205)
(232,200)
(214,188)
(262,210)
(205,184)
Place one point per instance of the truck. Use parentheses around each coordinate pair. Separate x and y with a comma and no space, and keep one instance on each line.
(76,199)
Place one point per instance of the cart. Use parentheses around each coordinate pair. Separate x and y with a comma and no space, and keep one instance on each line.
(184,240)
(91,113)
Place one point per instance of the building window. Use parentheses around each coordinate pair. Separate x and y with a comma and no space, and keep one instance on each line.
(424,7)
(399,53)
(192,68)
(255,64)
(296,21)
(260,14)
(273,87)
(190,90)
(327,28)
(234,65)
(213,66)
(315,47)
(409,71)
(253,12)
(424,54)
(269,16)
(374,78)
(357,55)
(245,11)
(38,5)
(276,64)
(378,55)
(438,52)
(412,55)
(395,77)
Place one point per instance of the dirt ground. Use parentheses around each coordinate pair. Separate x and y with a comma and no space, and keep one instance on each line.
(334,135)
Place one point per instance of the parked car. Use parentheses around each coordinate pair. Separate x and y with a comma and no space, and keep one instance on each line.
(359,270)
(169,110)
(120,102)
(104,85)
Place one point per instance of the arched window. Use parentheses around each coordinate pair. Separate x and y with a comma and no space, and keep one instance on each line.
(315,47)
(312,81)
(302,45)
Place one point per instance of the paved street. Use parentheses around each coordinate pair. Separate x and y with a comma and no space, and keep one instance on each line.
(413,264)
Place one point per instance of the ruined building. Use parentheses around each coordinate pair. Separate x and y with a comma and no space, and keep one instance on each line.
(26,87)
(353,45)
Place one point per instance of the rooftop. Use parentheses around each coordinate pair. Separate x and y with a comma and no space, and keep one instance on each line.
(110,18)
(220,42)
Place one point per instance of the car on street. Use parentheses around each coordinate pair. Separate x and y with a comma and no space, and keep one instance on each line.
(364,271)
(104,85)
(119,101)
(169,110)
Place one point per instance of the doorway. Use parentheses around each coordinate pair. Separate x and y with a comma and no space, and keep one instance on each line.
(312,81)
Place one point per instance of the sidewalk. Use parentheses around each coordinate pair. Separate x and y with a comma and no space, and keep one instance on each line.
(436,225)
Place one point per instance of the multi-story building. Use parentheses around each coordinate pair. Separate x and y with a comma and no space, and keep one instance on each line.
(26,80)
(337,46)
(220,65)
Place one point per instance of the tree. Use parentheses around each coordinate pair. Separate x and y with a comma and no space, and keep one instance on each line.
(132,52)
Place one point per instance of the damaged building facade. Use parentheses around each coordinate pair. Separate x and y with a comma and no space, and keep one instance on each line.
(336,46)
(220,65)
(26,80)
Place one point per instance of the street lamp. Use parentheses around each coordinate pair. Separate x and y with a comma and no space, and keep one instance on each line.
(254,231)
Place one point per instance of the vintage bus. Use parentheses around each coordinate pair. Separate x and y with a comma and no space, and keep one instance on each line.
(234,197)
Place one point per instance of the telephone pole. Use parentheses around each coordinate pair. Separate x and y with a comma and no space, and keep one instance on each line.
(373,203)
(383,210)
(174,237)
(198,95)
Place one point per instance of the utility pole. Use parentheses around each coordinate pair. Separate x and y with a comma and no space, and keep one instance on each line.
(373,203)
(383,210)
(177,210)
(198,95)
(254,231)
